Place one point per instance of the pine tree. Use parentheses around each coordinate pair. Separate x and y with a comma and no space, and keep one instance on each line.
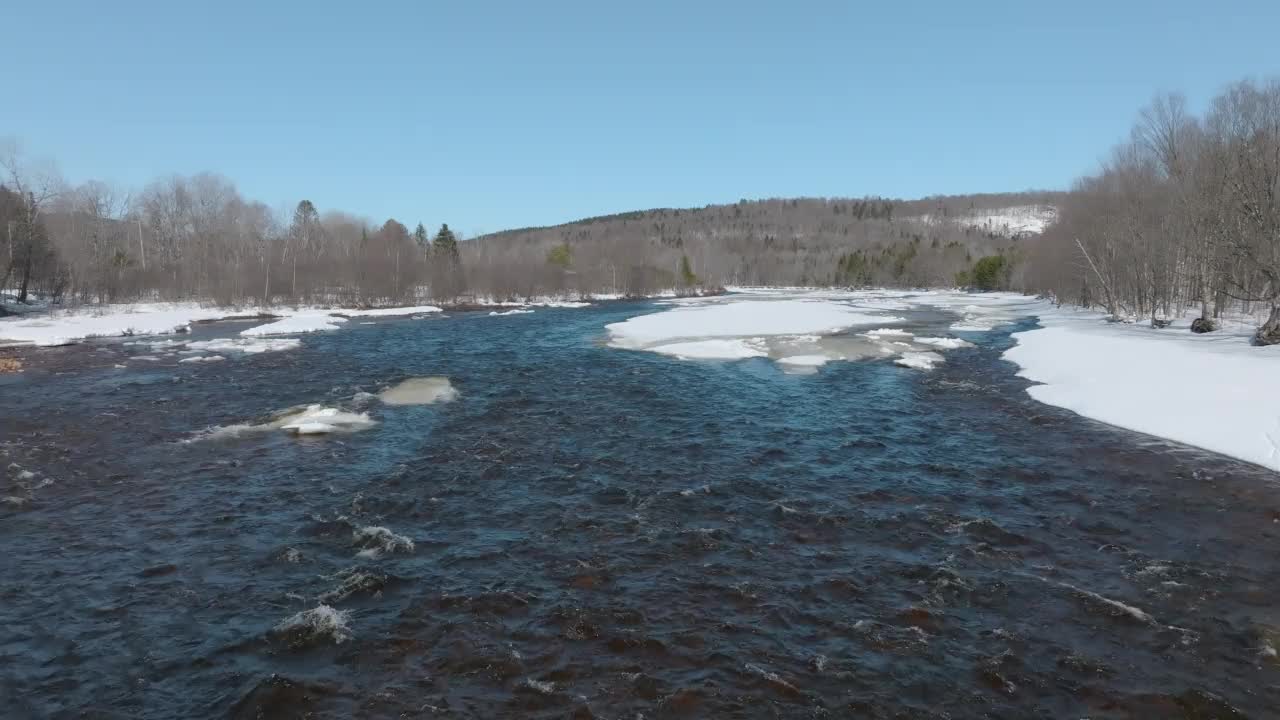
(445,246)
(420,237)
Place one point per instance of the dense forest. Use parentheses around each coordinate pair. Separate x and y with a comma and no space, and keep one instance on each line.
(1186,212)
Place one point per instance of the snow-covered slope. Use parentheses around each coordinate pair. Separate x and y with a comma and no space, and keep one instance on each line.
(1018,221)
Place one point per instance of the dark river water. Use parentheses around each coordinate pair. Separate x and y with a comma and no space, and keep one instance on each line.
(615,534)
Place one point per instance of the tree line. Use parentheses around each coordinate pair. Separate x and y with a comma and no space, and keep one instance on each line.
(1184,213)
(198,238)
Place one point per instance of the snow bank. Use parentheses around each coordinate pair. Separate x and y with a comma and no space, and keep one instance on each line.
(66,327)
(296,324)
(1212,391)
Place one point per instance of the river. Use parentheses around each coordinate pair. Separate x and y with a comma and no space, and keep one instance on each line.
(594,532)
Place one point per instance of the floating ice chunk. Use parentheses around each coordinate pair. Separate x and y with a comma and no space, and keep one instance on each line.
(517,311)
(389,312)
(315,420)
(712,350)
(919,360)
(319,623)
(419,391)
(805,360)
(973,324)
(943,342)
(296,324)
(738,318)
(886,332)
(248,345)
(377,540)
(202,358)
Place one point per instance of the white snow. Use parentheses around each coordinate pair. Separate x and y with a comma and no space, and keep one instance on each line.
(739,318)
(202,358)
(1212,391)
(66,327)
(945,343)
(517,311)
(388,312)
(296,324)
(317,420)
(735,349)
(63,327)
(301,420)
(251,346)
(1015,221)
(804,360)
(919,360)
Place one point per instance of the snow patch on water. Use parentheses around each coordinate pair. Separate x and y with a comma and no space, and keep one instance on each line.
(202,358)
(517,311)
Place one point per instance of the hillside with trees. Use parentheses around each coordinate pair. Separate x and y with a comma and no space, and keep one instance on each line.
(198,238)
(1185,212)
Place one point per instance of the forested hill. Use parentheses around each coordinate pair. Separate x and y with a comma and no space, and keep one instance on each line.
(803,241)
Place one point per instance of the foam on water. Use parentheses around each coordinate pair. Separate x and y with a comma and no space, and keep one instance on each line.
(318,624)
(377,540)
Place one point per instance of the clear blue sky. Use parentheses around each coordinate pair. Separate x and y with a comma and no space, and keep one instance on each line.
(490,115)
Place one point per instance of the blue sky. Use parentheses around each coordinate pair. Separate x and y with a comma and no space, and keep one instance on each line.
(491,115)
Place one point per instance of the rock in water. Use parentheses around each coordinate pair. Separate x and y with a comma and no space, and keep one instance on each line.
(1203,325)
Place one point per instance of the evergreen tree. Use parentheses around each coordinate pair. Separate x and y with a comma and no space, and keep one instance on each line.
(445,246)
(420,237)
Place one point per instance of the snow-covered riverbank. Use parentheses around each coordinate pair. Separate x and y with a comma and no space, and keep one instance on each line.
(1213,391)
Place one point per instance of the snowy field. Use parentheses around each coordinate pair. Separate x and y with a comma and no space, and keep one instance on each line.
(1212,391)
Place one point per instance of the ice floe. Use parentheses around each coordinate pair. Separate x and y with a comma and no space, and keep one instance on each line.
(388,312)
(296,324)
(419,391)
(202,358)
(734,349)
(516,311)
(247,345)
(919,360)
